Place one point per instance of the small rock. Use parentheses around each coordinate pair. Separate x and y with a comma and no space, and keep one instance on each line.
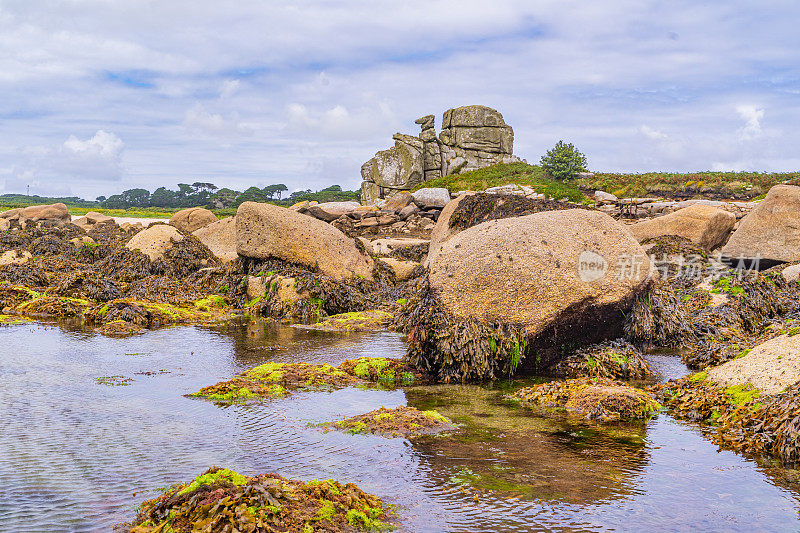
(431,197)
(11,257)
(602,197)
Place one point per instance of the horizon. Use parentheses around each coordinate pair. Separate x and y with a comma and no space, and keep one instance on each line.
(99,98)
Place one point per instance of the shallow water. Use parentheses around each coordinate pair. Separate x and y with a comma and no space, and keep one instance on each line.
(76,455)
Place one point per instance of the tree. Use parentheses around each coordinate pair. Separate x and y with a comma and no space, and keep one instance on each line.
(563,161)
(163,197)
(272,190)
(253,194)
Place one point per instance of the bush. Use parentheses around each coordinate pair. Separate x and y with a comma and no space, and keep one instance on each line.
(563,161)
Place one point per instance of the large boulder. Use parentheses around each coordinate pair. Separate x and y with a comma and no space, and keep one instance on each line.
(555,268)
(155,240)
(192,219)
(769,367)
(771,231)
(704,225)
(330,211)
(56,212)
(267,231)
(220,238)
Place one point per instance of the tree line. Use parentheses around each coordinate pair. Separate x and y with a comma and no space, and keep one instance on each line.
(209,195)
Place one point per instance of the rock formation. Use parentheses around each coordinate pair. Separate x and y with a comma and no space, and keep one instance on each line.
(472,137)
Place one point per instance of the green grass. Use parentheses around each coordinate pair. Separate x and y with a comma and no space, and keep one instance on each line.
(504,174)
(743,185)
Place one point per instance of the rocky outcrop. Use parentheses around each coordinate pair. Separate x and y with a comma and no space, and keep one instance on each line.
(772,230)
(220,238)
(192,219)
(472,137)
(704,225)
(266,231)
(155,240)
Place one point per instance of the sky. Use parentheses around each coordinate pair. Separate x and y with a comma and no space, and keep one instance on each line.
(99,96)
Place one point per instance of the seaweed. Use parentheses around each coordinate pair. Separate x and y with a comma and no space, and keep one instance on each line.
(592,398)
(739,418)
(480,207)
(223,500)
(617,359)
(398,422)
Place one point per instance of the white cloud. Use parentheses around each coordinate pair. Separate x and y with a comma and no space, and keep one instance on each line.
(653,134)
(326,88)
(197,119)
(752,116)
(99,157)
(229,88)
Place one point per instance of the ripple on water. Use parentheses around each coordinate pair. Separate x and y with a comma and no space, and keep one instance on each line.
(79,456)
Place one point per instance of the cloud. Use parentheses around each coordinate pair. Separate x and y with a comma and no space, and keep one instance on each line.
(338,122)
(637,86)
(229,88)
(653,134)
(199,120)
(99,157)
(752,116)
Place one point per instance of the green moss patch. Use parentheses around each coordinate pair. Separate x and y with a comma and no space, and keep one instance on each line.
(223,500)
(399,422)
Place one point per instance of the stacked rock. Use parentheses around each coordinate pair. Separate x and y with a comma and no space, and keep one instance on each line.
(472,137)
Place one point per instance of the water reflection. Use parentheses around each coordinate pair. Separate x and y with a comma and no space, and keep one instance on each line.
(78,456)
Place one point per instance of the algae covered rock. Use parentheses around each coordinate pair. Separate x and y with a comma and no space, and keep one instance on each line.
(742,417)
(398,422)
(703,225)
(221,500)
(591,398)
(771,231)
(266,231)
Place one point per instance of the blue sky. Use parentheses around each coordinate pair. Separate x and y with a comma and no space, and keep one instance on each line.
(98,96)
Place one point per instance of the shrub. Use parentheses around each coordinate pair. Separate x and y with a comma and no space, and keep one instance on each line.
(563,161)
